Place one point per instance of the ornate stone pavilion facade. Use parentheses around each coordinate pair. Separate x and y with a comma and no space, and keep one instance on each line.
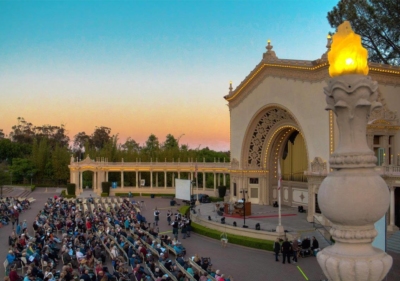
(101,168)
(277,113)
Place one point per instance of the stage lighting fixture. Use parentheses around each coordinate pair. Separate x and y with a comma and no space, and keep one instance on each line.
(223,220)
(234,223)
(209,218)
(258,226)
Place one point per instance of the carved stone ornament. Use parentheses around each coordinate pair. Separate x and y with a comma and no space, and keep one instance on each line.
(318,166)
(259,136)
(353,197)
(234,163)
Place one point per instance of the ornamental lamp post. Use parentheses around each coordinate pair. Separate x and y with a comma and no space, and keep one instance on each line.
(244,192)
(353,196)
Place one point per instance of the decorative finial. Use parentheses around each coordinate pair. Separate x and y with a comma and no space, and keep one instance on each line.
(269,55)
(230,87)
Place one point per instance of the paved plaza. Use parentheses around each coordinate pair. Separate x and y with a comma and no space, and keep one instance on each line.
(240,262)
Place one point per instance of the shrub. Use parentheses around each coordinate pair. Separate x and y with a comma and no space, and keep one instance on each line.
(105,187)
(221,190)
(104,194)
(71,189)
(216,199)
(65,195)
(234,239)
(184,210)
(33,187)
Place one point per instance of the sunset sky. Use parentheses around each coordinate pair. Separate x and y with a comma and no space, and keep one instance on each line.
(143,67)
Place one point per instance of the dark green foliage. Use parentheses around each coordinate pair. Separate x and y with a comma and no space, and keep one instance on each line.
(65,195)
(71,189)
(216,199)
(234,239)
(377,21)
(105,187)
(221,191)
(104,194)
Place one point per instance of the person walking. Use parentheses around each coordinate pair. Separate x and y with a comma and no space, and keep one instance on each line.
(286,249)
(277,249)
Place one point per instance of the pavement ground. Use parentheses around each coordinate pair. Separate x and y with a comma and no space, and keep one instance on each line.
(241,263)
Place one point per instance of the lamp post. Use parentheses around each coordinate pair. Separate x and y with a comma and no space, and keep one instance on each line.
(244,192)
(345,195)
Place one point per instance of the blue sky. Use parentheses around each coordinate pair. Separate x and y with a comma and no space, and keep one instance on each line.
(142,67)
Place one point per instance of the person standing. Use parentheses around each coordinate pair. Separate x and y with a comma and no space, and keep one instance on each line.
(286,249)
(156,216)
(175,226)
(277,249)
(169,215)
(295,248)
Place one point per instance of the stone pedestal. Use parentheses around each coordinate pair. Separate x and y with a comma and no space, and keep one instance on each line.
(353,197)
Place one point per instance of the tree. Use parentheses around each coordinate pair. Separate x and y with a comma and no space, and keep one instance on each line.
(60,161)
(22,169)
(130,145)
(23,132)
(170,142)
(377,21)
(152,146)
(101,136)
(2,135)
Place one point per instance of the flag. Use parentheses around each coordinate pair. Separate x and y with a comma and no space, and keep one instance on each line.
(279,175)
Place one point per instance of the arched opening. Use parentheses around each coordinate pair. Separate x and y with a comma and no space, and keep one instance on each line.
(294,158)
(87,179)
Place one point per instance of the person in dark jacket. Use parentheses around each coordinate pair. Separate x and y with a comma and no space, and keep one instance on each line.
(277,249)
(286,250)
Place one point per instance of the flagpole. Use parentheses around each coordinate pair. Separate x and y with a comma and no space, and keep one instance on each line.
(279,228)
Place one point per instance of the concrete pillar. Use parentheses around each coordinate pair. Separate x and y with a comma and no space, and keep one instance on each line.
(94,182)
(204,181)
(179,174)
(122,179)
(165,179)
(392,226)
(106,175)
(137,179)
(156,179)
(219,179)
(224,175)
(81,180)
(215,182)
(151,179)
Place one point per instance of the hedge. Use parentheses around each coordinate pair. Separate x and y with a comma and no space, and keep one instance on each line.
(234,239)
(71,189)
(184,210)
(64,194)
(104,194)
(216,199)
(105,187)
(33,187)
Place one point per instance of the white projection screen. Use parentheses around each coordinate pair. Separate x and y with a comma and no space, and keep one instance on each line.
(182,189)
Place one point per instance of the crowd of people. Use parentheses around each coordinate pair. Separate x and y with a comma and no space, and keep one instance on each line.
(92,241)
(295,249)
(10,208)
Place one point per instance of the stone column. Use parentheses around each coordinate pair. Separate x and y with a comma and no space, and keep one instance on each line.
(106,175)
(392,226)
(370,141)
(165,179)
(156,179)
(353,197)
(151,179)
(122,179)
(80,180)
(179,174)
(137,179)
(204,181)
(215,182)
(219,179)
(94,180)
(224,178)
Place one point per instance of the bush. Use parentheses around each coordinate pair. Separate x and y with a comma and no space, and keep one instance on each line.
(104,194)
(33,187)
(105,187)
(71,189)
(184,210)
(216,199)
(234,239)
(64,195)
(221,190)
